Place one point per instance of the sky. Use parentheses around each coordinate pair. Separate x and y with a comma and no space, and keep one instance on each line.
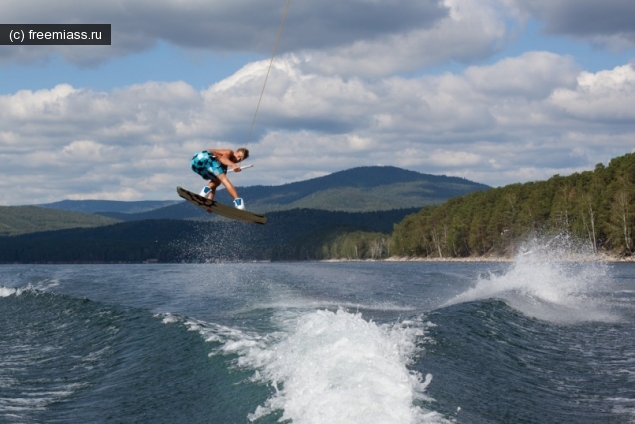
(494,91)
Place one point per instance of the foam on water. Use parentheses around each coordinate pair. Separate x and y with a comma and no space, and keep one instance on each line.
(331,367)
(329,304)
(17,291)
(336,367)
(40,286)
(9,291)
(554,280)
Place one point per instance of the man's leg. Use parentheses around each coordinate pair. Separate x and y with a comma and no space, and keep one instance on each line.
(213,183)
(228,185)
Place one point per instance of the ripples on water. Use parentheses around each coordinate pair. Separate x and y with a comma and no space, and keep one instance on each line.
(548,338)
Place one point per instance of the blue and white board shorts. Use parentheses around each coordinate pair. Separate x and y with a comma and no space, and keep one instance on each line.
(207,166)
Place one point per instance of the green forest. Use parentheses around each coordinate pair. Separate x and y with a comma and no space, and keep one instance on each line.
(336,242)
(290,235)
(595,206)
(16,220)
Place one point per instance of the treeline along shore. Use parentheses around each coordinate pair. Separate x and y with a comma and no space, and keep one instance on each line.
(290,235)
(595,207)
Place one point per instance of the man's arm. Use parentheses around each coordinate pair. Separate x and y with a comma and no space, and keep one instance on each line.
(223,156)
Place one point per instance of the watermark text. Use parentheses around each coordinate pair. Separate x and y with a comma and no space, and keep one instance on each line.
(55,34)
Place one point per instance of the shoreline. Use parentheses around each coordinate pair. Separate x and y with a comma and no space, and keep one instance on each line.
(435,259)
(582,258)
(571,258)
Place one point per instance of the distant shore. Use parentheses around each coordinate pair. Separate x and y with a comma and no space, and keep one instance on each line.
(449,259)
(598,257)
(426,259)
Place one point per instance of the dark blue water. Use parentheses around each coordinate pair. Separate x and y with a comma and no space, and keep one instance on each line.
(533,341)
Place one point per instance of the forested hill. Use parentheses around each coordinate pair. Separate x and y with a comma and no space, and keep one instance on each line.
(358,190)
(362,189)
(597,206)
(92,206)
(16,220)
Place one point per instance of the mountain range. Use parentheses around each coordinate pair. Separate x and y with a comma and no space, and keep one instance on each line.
(369,199)
(362,189)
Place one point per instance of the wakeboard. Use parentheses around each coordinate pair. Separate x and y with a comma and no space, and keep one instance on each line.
(212,206)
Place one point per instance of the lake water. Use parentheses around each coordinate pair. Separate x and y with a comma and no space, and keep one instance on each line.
(538,340)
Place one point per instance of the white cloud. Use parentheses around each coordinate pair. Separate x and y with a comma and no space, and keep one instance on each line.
(606,96)
(454,159)
(544,117)
(472,30)
(533,75)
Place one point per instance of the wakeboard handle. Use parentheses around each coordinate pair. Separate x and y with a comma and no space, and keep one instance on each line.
(241,168)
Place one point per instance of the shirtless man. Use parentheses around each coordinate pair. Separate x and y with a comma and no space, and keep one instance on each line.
(212,165)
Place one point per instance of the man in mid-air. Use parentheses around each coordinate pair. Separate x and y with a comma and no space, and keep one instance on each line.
(212,165)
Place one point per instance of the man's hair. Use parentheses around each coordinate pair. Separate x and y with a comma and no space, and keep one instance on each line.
(245,152)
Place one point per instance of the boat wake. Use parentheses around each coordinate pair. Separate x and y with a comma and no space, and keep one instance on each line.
(332,366)
(554,280)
